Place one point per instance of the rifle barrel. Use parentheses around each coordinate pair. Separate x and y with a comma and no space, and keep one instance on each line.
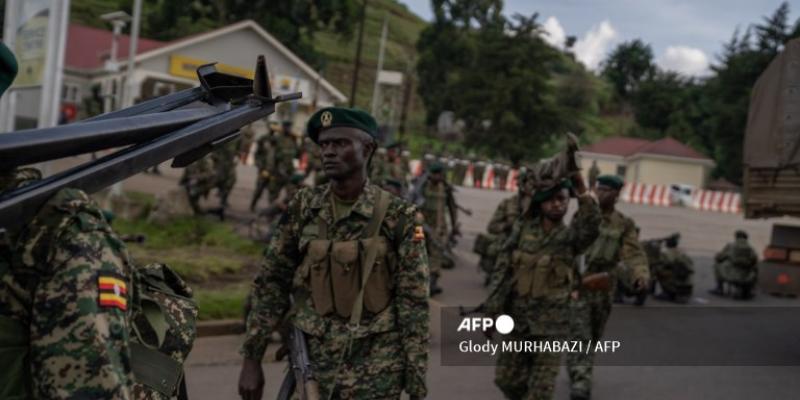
(36,145)
(159,104)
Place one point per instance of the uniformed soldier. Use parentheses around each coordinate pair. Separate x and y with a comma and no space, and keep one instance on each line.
(73,323)
(314,165)
(675,272)
(378,168)
(478,169)
(274,158)
(224,160)
(737,265)
(618,242)
(460,171)
(501,174)
(353,259)
(439,204)
(503,219)
(536,283)
(197,180)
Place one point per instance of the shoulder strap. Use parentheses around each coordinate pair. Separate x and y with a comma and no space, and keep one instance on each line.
(373,228)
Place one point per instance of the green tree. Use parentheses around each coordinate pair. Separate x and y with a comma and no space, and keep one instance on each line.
(627,65)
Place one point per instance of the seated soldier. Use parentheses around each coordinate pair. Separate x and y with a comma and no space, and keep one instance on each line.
(675,273)
(736,265)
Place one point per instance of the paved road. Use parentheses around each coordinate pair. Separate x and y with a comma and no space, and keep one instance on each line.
(213,366)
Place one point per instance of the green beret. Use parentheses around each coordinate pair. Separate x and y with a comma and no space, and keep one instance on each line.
(436,167)
(332,117)
(612,181)
(297,178)
(542,195)
(8,68)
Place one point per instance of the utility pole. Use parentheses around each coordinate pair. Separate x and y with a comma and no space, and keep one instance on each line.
(409,81)
(376,88)
(354,86)
(134,44)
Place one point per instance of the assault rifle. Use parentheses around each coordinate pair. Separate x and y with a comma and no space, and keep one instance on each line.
(300,369)
(183,126)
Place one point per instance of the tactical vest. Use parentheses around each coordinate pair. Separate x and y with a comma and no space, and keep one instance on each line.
(541,274)
(603,255)
(741,255)
(341,277)
(162,333)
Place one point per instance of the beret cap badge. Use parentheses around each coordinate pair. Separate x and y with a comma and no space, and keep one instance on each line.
(326,118)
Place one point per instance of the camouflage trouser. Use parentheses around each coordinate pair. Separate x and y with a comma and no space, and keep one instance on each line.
(527,376)
(373,369)
(435,253)
(588,317)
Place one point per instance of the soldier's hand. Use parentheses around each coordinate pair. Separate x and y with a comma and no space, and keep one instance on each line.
(251,380)
(580,185)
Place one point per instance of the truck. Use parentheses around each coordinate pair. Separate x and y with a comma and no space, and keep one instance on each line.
(771,161)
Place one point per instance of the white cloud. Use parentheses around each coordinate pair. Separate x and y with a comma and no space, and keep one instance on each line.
(684,59)
(593,47)
(554,33)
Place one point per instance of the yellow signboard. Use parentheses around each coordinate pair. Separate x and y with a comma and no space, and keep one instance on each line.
(186,67)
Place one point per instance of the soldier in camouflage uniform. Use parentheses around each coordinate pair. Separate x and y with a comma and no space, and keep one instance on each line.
(439,203)
(675,273)
(536,282)
(618,242)
(198,179)
(224,160)
(274,159)
(367,335)
(503,219)
(594,172)
(72,321)
(737,265)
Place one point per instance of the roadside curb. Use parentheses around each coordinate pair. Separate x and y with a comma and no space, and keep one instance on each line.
(220,327)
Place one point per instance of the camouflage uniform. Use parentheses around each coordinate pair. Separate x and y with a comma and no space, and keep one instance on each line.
(675,275)
(274,159)
(617,242)
(198,179)
(439,200)
(736,264)
(67,285)
(224,160)
(506,213)
(459,172)
(536,274)
(379,166)
(388,352)
(593,173)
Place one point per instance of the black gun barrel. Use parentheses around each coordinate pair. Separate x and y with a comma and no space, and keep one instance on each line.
(37,145)
(159,104)
(21,204)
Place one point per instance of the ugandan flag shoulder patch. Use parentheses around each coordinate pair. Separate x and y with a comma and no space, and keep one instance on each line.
(113,291)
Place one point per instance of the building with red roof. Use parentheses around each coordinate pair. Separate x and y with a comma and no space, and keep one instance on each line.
(94,82)
(665,161)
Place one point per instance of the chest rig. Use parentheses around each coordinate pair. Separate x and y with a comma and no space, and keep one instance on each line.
(540,268)
(346,277)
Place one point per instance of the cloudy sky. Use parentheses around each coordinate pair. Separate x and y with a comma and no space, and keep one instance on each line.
(686,35)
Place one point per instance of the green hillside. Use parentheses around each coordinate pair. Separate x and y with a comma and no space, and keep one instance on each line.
(404,29)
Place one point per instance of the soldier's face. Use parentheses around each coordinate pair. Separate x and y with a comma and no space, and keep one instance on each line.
(606,196)
(344,151)
(555,207)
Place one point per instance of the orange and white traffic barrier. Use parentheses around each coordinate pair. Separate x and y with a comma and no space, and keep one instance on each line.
(303,162)
(712,200)
(643,193)
(511,182)
(469,179)
(488,178)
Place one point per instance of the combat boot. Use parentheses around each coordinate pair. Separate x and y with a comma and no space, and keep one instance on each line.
(434,288)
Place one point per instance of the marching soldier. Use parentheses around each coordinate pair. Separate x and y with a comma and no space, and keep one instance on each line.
(438,204)
(536,282)
(274,158)
(353,259)
(618,242)
(503,219)
(224,160)
(197,180)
